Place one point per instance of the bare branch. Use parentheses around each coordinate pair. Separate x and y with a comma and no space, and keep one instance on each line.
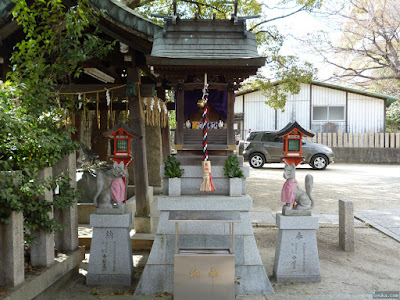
(277,18)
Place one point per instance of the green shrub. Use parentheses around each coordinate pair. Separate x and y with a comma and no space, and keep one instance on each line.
(232,169)
(172,167)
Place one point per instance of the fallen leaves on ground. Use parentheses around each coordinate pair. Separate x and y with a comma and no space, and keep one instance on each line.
(165,294)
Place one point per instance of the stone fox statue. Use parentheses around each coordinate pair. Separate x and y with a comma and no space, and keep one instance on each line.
(105,190)
(291,193)
(97,185)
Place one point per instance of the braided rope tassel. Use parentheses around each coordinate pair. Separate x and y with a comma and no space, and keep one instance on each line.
(207,185)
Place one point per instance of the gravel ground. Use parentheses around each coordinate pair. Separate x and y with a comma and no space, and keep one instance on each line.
(374,266)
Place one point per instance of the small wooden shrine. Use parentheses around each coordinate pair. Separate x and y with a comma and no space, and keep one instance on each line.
(292,135)
(121,136)
(187,49)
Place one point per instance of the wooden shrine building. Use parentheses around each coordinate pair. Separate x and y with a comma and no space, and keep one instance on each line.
(183,52)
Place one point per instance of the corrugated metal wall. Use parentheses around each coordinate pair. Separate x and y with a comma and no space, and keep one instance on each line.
(364,113)
(258,115)
(323,96)
(297,109)
(238,108)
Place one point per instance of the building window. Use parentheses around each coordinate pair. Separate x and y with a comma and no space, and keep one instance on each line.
(328,113)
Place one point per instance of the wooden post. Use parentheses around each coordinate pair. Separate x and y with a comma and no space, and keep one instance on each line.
(330,139)
(382,140)
(392,141)
(230,112)
(397,140)
(136,122)
(340,139)
(180,115)
(351,140)
(386,139)
(365,140)
(324,139)
(165,136)
(377,140)
(345,140)
(371,139)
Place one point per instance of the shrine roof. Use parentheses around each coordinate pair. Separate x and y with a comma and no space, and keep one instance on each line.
(125,16)
(124,127)
(202,42)
(290,126)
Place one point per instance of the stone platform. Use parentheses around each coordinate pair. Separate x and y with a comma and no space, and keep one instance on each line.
(111,250)
(193,177)
(296,255)
(158,275)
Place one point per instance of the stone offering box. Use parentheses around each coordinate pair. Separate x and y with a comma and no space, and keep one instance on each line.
(205,272)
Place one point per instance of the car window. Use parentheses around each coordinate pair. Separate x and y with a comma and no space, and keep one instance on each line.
(278,139)
(267,137)
(251,136)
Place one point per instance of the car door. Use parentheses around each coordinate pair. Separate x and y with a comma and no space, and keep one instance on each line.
(273,146)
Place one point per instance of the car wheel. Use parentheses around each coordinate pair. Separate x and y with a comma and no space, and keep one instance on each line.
(256,160)
(319,162)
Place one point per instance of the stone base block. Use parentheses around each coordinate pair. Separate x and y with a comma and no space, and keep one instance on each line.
(174,186)
(235,187)
(142,224)
(294,212)
(115,279)
(110,260)
(296,255)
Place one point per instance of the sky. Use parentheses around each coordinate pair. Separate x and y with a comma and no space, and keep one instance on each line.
(299,25)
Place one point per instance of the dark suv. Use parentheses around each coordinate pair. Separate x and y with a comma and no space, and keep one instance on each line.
(263,147)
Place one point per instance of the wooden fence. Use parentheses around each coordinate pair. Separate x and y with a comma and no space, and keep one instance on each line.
(358,140)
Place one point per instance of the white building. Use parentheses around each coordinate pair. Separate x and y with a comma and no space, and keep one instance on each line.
(319,107)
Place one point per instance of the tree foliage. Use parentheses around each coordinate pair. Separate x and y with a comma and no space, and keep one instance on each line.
(289,71)
(35,130)
(368,53)
(393,117)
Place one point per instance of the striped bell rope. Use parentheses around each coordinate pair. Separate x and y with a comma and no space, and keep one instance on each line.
(205,125)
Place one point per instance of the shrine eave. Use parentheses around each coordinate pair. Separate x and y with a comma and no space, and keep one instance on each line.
(125,17)
(121,125)
(291,126)
(206,62)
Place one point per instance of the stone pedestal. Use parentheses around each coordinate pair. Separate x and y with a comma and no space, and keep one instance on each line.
(296,255)
(158,275)
(67,239)
(12,251)
(110,261)
(42,250)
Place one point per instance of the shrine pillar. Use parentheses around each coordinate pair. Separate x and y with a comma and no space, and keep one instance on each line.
(142,215)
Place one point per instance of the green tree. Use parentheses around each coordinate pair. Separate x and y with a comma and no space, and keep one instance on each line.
(288,71)
(35,131)
(393,117)
(368,52)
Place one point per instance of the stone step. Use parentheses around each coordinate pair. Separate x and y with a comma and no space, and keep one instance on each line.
(139,241)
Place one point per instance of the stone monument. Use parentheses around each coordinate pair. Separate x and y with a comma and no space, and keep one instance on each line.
(296,255)
(110,261)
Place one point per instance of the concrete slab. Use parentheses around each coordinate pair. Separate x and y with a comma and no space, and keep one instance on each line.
(386,221)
